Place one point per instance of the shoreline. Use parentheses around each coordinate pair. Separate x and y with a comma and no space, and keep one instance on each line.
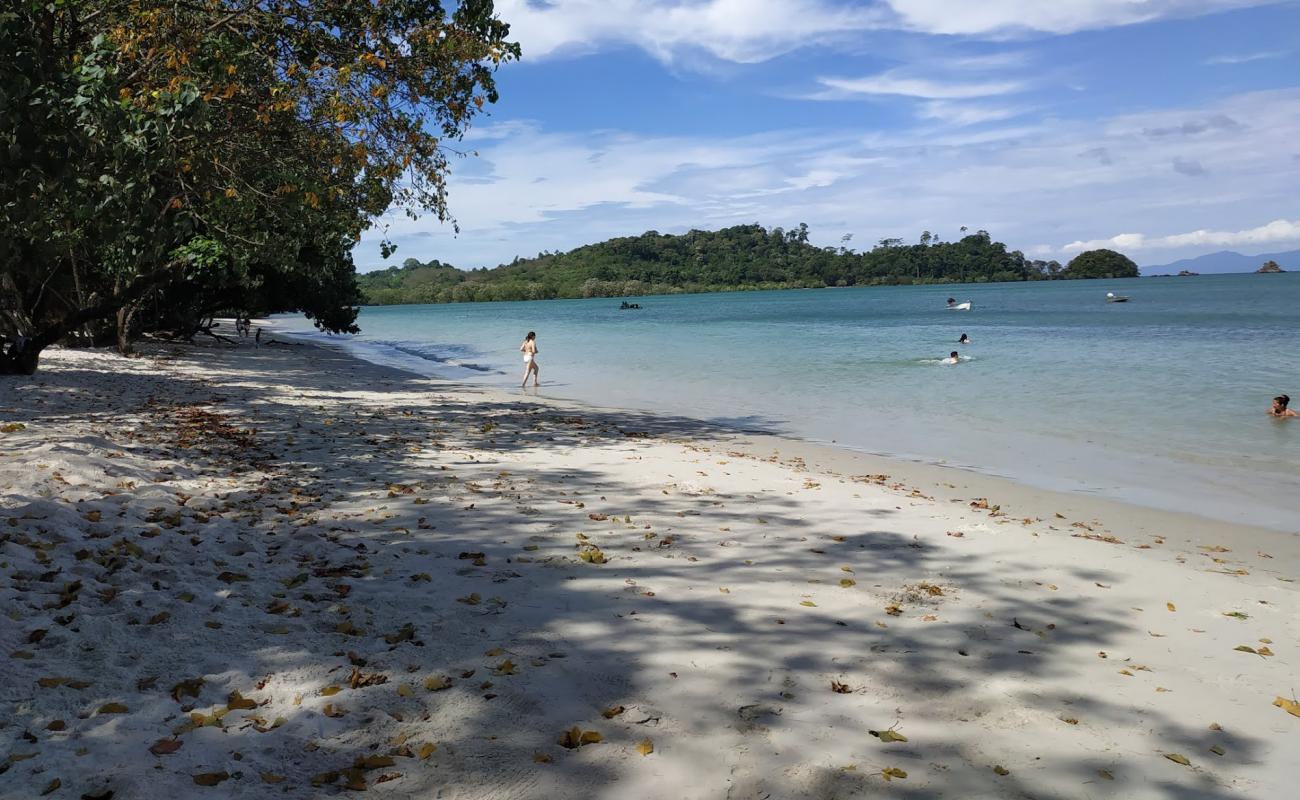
(1041,498)
(287,570)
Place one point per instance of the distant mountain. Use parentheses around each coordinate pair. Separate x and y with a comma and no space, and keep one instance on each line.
(1226,261)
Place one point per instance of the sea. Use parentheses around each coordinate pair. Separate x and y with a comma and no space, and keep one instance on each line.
(1158,401)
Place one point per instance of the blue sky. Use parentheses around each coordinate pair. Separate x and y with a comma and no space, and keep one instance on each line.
(1162,128)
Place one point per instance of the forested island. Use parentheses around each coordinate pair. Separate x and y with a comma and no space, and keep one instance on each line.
(739,258)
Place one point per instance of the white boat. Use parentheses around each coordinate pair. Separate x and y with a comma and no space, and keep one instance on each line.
(1111,297)
(959,306)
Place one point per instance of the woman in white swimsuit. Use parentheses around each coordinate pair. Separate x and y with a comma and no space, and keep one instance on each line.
(529,349)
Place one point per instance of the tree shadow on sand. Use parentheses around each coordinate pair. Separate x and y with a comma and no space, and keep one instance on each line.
(399,505)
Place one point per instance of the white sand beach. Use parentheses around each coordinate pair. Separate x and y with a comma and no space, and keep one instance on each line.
(283,572)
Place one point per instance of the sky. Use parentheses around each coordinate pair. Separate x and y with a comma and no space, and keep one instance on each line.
(1160,128)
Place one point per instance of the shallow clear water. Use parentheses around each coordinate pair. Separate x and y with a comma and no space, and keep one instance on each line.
(1159,400)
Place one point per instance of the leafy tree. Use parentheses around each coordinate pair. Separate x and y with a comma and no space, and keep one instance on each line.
(742,257)
(1101,264)
(218,149)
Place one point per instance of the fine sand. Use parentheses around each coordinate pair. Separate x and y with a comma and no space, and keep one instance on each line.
(283,573)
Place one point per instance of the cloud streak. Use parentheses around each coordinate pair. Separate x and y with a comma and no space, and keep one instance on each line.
(1010,17)
(1276,232)
(894,83)
(1246,58)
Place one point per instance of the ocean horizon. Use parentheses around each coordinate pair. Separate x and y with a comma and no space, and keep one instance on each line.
(1159,401)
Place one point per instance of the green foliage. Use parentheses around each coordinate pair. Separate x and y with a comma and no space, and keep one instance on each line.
(167,160)
(1101,264)
(744,257)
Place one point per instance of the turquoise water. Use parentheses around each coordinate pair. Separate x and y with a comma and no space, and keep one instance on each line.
(1159,400)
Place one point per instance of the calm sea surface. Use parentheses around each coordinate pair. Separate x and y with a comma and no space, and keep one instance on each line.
(1158,401)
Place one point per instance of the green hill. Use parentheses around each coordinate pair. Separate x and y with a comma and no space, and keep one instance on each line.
(744,257)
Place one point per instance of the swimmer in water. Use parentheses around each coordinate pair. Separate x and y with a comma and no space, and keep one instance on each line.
(964,339)
(1279,408)
(952,358)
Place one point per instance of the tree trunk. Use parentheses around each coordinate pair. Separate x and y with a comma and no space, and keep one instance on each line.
(124,316)
(23,360)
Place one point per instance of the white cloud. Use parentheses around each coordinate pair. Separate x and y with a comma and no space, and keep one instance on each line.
(961,114)
(1246,58)
(943,84)
(744,31)
(1046,181)
(1275,232)
(749,31)
(894,83)
(1000,17)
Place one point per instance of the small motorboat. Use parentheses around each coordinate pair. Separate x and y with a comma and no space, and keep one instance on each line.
(626,306)
(955,306)
(1111,297)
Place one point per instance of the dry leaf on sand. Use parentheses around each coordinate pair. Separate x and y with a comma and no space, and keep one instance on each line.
(1289,706)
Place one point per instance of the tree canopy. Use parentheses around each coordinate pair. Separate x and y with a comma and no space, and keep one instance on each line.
(736,258)
(166,160)
(1101,264)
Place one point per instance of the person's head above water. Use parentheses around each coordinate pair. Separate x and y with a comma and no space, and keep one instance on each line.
(964,338)
(953,354)
(531,335)
(1281,402)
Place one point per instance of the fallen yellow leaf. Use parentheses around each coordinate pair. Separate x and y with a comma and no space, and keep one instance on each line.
(237,701)
(210,778)
(576,737)
(1289,706)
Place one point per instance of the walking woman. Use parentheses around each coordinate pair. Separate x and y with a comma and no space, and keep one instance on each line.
(529,349)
